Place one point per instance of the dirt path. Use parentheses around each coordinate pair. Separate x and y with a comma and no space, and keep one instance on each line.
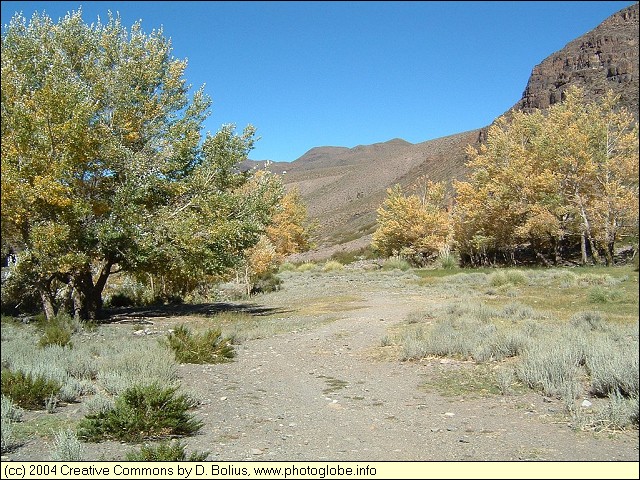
(331,393)
(323,395)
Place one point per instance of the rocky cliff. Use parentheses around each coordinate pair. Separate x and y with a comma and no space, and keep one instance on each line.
(604,58)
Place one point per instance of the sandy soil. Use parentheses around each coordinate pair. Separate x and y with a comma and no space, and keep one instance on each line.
(332,392)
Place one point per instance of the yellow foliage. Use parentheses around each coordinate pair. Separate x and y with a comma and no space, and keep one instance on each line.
(547,177)
(416,226)
(288,231)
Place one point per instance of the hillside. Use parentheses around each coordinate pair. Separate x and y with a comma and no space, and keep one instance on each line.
(604,58)
(343,187)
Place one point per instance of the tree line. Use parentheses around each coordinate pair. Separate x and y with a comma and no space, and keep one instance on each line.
(547,185)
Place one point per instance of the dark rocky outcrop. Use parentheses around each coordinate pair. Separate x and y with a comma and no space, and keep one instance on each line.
(604,58)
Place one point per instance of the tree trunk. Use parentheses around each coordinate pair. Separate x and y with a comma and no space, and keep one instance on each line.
(47,302)
(583,247)
(587,233)
(609,253)
(87,296)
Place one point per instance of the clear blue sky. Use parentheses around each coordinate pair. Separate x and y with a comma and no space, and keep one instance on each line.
(310,74)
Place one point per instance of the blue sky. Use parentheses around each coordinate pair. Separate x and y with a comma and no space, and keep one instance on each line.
(309,74)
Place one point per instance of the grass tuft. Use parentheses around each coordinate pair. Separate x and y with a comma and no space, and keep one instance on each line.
(208,347)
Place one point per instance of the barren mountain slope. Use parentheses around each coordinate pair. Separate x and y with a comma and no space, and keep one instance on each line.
(343,187)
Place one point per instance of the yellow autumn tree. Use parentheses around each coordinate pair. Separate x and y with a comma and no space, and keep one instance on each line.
(415,226)
(290,230)
(551,182)
(288,233)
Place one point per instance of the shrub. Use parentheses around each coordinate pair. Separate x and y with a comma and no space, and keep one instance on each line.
(551,365)
(56,332)
(266,283)
(120,300)
(122,365)
(448,261)
(165,452)
(332,266)
(349,256)
(287,267)
(10,414)
(142,413)
(27,391)
(10,411)
(7,440)
(588,321)
(67,447)
(600,294)
(306,267)
(99,404)
(612,366)
(508,277)
(208,347)
(396,263)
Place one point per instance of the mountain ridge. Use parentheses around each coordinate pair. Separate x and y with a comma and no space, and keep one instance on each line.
(343,186)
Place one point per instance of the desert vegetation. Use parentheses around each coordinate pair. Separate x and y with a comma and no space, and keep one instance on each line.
(564,350)
(113,203)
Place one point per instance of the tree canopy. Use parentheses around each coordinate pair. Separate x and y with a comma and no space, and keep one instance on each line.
(552,180)
(104,167)
(415,226)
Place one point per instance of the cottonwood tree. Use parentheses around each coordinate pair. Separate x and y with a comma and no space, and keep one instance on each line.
(416,225)
(288,233)
(103,165)
(549,179)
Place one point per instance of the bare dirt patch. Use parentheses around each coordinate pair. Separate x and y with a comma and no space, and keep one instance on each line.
(327,389)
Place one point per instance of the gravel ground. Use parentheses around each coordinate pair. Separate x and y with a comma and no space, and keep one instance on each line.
(332,392)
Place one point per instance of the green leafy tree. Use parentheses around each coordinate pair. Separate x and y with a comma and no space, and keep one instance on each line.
(103,165)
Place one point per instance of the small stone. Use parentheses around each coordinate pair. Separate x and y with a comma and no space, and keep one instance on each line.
(449,414)
(222,399)
(586,404)
(257,451)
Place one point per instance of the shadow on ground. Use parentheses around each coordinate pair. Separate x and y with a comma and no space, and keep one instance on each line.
(124,314)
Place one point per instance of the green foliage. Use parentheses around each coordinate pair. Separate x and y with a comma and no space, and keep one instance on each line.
(207,347)
(507,277)
(306,267)
(447,261)
(141,413)
(332,266)
(27,391)
(600,294)
(165,452)
(396,263)
(267,283)
(57,331)
(347,257)
(103,163)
